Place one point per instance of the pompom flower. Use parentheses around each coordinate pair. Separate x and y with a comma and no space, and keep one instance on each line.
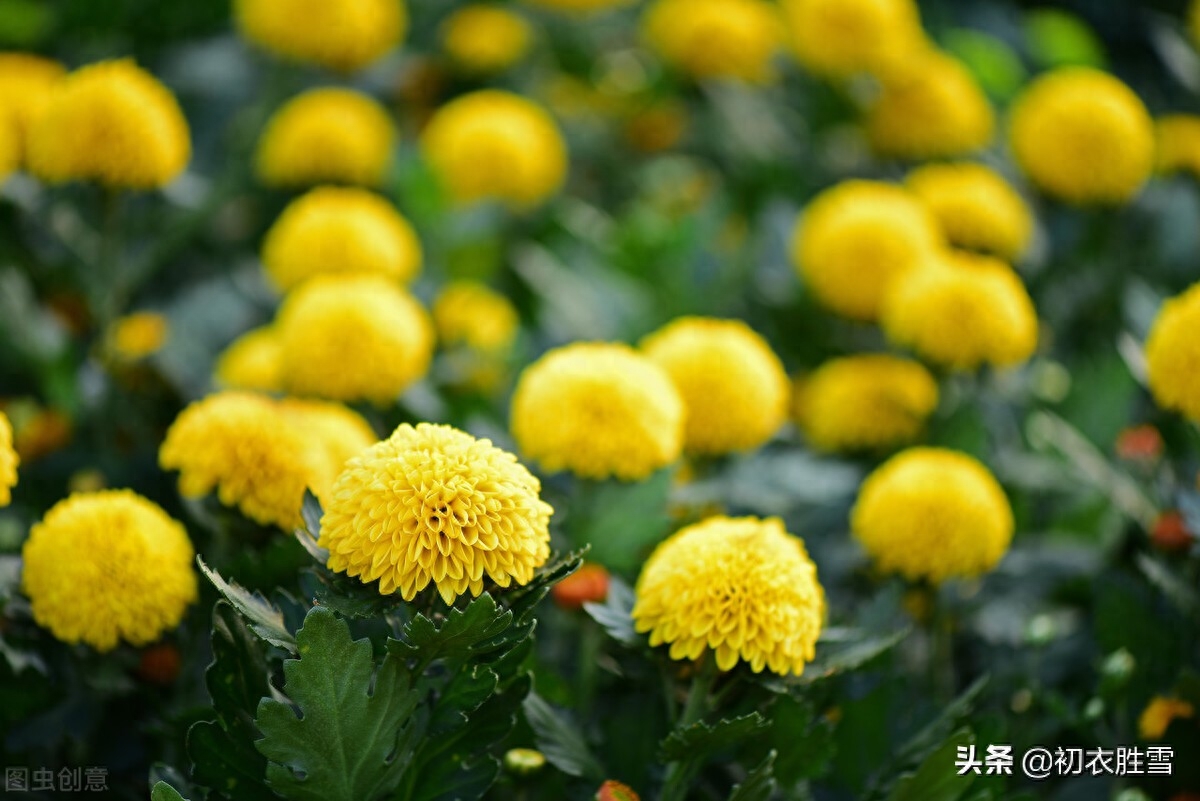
(1178,143)
(962,313)
(26,83)
(108,567)
(252,361)
(716,38)
(353,338)
(485,39)
(1173,354)
(344,35)
(138,335)
(1083,136)
(110,122)
(932,514)
(839,38)
(434,505)
(863,402)
(734,388)
(468,313)
(494,145)
(598,410)
(8,461)
(976,207)
(742,588)
(857,237)
(326,136)
(340,230)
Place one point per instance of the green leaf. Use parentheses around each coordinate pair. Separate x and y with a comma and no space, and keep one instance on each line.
(803,742)
(700,739)
(837,658)
(465,692)
(523,600)
(265,619)
(937,778)
(561,741)
(615,615)
(347,596)
(342,737)
(463,633)
(311,513)
(228,767)
(165,792)
(621,521)
(759,785)
(237,677)
(455,781)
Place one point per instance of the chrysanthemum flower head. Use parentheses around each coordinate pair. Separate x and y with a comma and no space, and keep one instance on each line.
(976,207)
(742,588)
(933,514)
(352,338)
(434,505)
(495,145)
(327,136)
(1173,354)
(344,35)
(598,410)
(108,567)
(138,335)
(1083,136)
(734,387)
(340,230)
(26,83)
(1178,143)
(963,312)
(863,402)
(8,461)
(469,313)
(716,38)
(839,38)
(485,39)
(110,122)
(856,238)
(253,361)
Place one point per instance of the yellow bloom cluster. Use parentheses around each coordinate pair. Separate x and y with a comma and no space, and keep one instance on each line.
(867,401)
(138,335)
(933,514)
(742,588)
(26,82)
(839,38)
(110,122)
(485,39)
(340,230)
(326,136)
(432,504)
(1173,354)
(344,35)
(716,38)
(108,567)
(1178,143)
(468,313)
(598,410)
(976,207)
(8,461)
(253,361)
(734,388)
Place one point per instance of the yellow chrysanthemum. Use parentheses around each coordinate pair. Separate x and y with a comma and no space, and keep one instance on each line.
(468,313)
(742,588)
(485,39)
(494,145)
(1178,143)
(579,6)
(930,107)
(252,361)
(8,461)
(353,338)
(733,386)
(863,402)
(327,136)
(933,514)
(1083,136)
(26,83)
(344,35)
(1158,715)
(108,567)
(432,504)
(598,410)
(856,238)
(110,122)
(138,335)
(964,312)
(976,207)
(716,38)
(1173,354)
(844,37)
(340,230)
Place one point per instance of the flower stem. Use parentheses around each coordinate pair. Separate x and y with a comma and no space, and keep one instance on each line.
(941,649)
(680,772)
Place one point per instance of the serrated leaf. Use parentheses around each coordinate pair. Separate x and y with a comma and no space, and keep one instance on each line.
(562,742)
(463,633)
(228,767)
(348,597)
(264,618)
(759,785)
(700,739)
(615,615)
(462,695)
(341,741)
(165,792)
(933,733)
(937,779)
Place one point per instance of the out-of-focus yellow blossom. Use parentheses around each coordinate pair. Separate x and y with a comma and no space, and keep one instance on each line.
(485,39)
(344,35)
(252,361)
(110,122)
(839,38)
(579,6)
(1178,143)
(10,151)
(742,588)
(433,504)
(856,238)
(108,567)
(468,313)
(26,82)
(657,127)
(1083,136)
(930,106)
(964,312)
(353,338)
(327,136)
(716,38)
(933,514)
(976,207)
(138,335)
(8,461)
(335,431)
(1158,715)
(340,230)
(1173,354)
(495,145)
(598,410)
(867,401)
(733,386)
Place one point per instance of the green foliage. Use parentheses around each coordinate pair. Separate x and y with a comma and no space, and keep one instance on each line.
(700,740)
(264,618)
(561,742)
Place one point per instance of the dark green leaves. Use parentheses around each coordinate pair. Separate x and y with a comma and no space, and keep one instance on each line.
(759,785)
(165,792)
(701,739)
(561,742)
(615,615)
(462,633)
(264,618)
(937,778)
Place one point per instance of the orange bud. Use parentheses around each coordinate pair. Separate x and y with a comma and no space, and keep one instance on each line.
(587,584)
(615,791)
(1171,532)
(1140,444)
(159,664)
